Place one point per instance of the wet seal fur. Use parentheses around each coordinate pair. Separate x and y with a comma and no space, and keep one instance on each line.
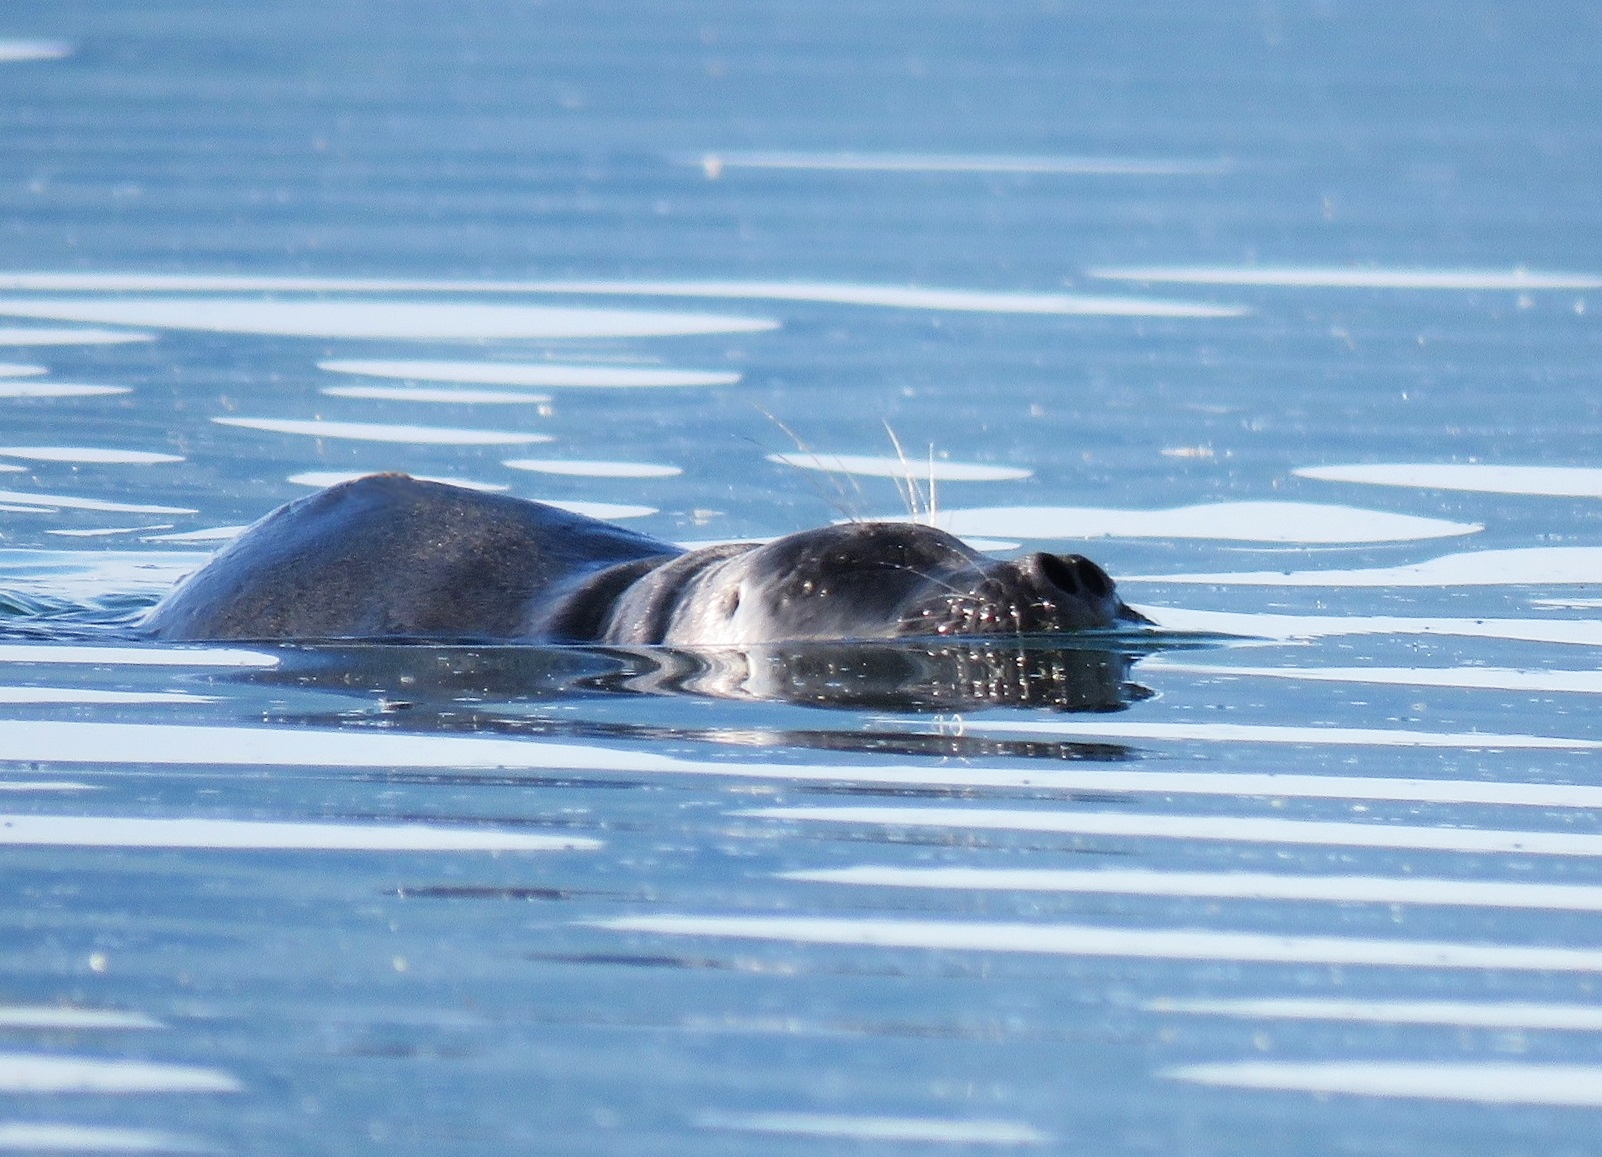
(391,557)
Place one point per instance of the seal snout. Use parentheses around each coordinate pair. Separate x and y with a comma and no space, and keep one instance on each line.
(1072,574)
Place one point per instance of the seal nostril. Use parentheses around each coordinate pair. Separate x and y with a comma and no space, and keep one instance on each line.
(1057,572)
(1092,577)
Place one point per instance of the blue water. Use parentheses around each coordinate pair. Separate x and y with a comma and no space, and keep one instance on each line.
(1233,298)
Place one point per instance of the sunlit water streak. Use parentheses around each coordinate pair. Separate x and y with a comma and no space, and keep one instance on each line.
(55,1073)
(582,468)
(42,336)
(1466,678)
(68,1017)
(903,1130)
(1521,565)
(1268,627)
(63,1137)
(915,469)
(88,455)
(383,432)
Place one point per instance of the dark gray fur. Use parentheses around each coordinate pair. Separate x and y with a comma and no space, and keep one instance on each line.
(389,556)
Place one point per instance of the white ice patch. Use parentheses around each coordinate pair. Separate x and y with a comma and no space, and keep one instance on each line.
(252,835)
(1455,1013)
(1468,678)
(55,741)
(1322,277)
(133,656)
(594,469)
(322,478)
(714,163)
(15,51)
(71,502)
(13,695)
(34,389)
(19,370)
(62,1137)
(106,531)
(1411,890)
(916,469)
(56,1016)
(907,297)
(1480,1082)
(1245,829)
(55,1073)
(898,1130)
(1555,481)
(391,320)
(376,432)
(88,455)
(1283,628)
(1278,733)
(531,373)
(1289,522)
(437,394)
(1531,565)
(40,336)
(1140,943)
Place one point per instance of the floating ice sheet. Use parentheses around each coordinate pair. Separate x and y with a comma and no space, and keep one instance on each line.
(1291,522)
(15,51)
(205,534)
(392,320)
(14,695)
(56,1073)
(115,744)
(88,455)
(1583,632)
(252,835)
(63,1137)
(1483,1082)
(131,656)
(607,511)
(1533,565)
(1332,277)
(1468,678)
(531,373)
(449,395)
(1456,1013)
(1276,733)
(377,432)
(1556,481)
(1412,890)
(73,502)
(19,370)
(1248,829)
(1091,940)
(846,293)
(900,1130)
(916,469)
(55,1016)
(37,389)
(40,336)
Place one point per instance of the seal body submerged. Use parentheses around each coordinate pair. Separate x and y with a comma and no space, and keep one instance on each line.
(388,556)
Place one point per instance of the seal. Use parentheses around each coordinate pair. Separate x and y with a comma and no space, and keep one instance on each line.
(392,557)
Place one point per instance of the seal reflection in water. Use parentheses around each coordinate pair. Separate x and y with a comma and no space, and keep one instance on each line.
(391,557)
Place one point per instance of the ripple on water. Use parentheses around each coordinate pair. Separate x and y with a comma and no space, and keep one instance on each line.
(916,469)
(588,468)
(1288,522)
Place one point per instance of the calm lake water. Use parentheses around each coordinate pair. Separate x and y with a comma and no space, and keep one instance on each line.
(1285,313)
